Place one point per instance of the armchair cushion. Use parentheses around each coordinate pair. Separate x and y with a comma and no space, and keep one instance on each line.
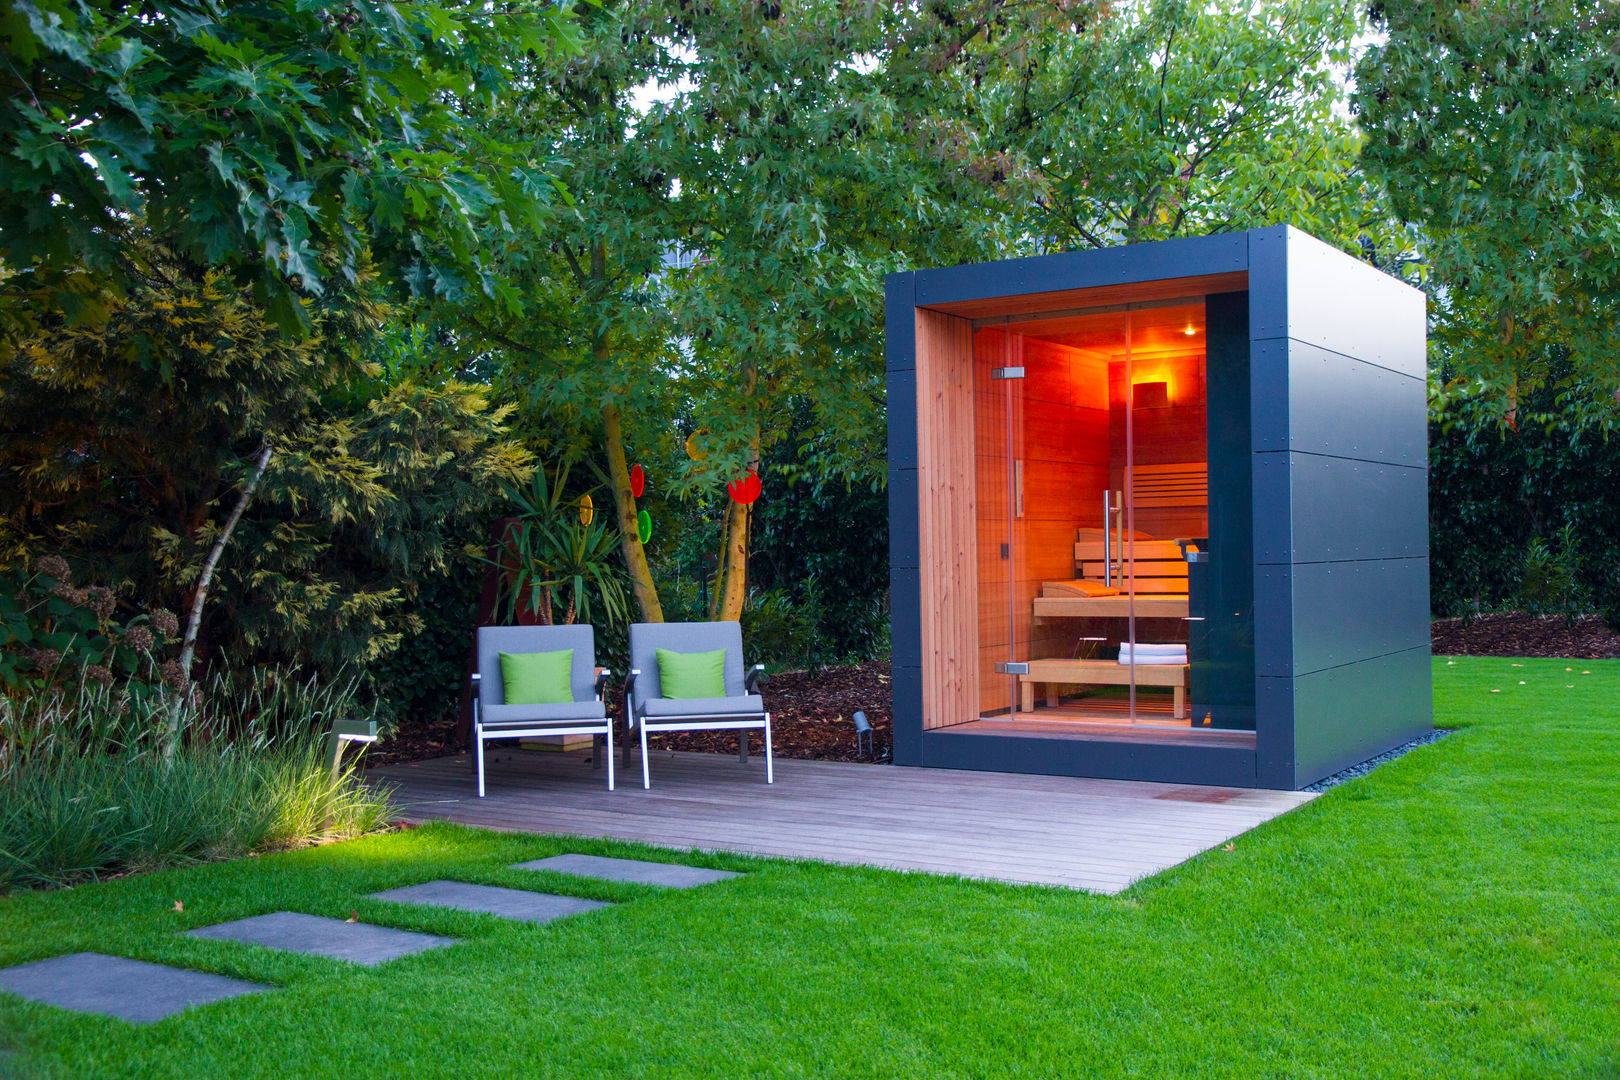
(673,708)
(692,675)
(496,716)
(537,678)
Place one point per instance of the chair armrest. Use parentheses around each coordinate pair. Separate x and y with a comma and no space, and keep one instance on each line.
(755,679)
(602,675)
(630,698)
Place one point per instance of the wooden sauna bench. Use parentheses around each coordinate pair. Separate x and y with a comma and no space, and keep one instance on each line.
(1161,593)
(1161,585)
(1100,672)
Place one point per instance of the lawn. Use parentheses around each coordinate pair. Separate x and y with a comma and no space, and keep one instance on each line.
(1457,913)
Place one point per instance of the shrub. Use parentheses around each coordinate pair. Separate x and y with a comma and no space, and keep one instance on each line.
(54,632)
(1550,583)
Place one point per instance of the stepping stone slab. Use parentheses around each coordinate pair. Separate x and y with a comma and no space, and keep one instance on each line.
(358,942)
(670,875)
(491,900)
(132,990)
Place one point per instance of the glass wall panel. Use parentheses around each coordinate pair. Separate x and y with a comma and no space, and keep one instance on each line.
(1092,493)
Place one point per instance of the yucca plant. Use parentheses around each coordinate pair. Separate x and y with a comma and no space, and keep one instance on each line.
(557,556)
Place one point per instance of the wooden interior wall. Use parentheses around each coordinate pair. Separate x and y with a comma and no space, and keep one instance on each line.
(1175,433)
(947,528)
(1059,431)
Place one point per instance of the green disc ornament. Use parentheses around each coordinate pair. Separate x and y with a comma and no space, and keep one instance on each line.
(644,526)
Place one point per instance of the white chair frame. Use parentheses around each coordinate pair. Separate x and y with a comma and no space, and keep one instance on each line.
(597,727)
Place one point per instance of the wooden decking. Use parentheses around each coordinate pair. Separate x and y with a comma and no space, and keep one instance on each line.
(1090,834)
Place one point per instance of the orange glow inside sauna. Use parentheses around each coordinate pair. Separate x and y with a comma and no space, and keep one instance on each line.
(1090,488)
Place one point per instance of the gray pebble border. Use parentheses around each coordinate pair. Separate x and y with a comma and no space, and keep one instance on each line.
(1372,763)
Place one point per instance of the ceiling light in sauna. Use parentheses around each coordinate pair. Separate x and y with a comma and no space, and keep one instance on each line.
(1191,330)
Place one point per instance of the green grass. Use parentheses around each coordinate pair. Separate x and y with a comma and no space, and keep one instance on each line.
(1457,913)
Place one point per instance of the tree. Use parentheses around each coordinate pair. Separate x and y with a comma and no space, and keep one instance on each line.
(1173,118)
(726,250)
(1495,127)
(287,142)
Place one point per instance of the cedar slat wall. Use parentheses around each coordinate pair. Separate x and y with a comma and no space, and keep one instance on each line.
(1174,434)
(947,528)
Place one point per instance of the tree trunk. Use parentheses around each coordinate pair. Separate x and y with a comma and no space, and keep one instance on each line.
(624,503)
(188,647)
(735,588)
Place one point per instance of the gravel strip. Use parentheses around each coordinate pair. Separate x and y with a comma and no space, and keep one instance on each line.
(1372,763)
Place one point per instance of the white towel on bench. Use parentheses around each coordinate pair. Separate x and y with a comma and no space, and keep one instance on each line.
(1152,654)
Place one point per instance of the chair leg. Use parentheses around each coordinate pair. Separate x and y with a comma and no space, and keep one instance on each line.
(478,743)
(742,745)
(596,751)
(629,741)
(646,774)
(770,776)
(609,738)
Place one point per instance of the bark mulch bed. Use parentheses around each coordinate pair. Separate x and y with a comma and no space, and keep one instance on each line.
(811,715)
(1512,633)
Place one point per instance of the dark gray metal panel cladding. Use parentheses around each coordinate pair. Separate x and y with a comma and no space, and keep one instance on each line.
(906,723)
(1274,731)
(899,322)
(1348,714)
(901,399)
(903,519)
(1344,509)
(1268,283)
(1273,507)
(1268,414)
(905,617)
(1341,406)
(1178,763)
(1350,611)
(1188,257)
(1340,303)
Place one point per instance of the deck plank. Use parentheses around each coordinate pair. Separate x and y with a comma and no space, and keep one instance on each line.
(1050,830)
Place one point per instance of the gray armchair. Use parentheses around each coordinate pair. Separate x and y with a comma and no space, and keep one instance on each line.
(650,713)
(585,715)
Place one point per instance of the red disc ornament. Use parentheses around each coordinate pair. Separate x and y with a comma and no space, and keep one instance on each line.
(638,480)
(745,489)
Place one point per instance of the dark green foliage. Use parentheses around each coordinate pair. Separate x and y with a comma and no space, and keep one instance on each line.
(1550,580)
(122,445)
(821,550)
(292,142)
(422,680)
(1493,489)
(53,632)
(1494,127)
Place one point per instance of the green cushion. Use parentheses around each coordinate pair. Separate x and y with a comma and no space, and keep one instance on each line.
(692,674)
(538,678)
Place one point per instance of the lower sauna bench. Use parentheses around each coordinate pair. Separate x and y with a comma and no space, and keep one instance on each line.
(1096,672)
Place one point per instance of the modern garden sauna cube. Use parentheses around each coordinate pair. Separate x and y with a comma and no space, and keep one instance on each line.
(1159,512)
